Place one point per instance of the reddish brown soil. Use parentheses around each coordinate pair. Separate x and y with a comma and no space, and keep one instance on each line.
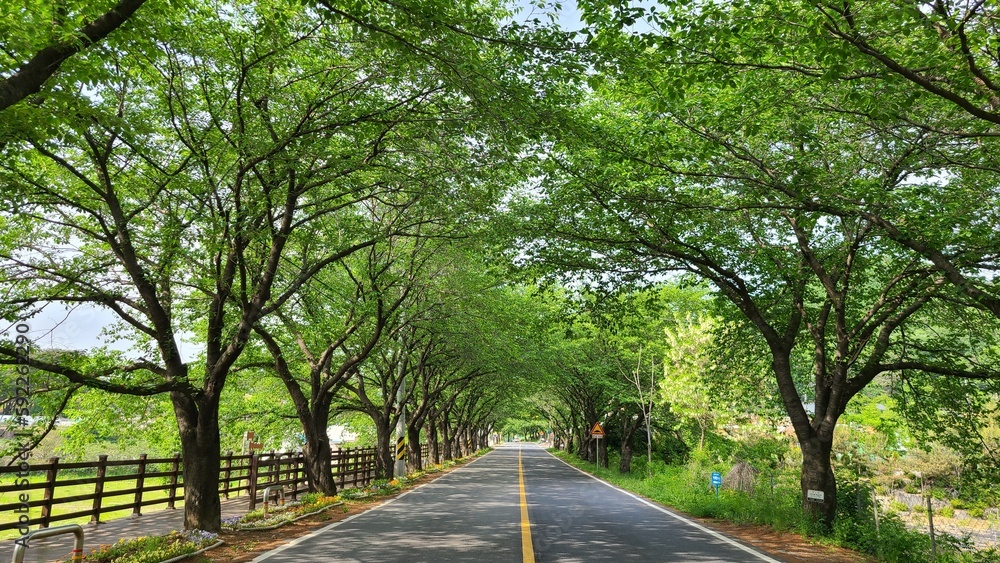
(785,546)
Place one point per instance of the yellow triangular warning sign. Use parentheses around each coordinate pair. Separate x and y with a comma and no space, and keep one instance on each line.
(597,431)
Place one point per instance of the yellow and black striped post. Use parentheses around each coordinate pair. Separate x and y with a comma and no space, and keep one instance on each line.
(400,448)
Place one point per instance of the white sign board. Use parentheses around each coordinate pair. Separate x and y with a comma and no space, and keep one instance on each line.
(815,496)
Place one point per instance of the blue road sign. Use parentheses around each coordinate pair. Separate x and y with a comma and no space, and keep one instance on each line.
(716,479)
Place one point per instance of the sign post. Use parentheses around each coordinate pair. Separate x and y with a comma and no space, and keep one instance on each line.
(716,482)
(597,433)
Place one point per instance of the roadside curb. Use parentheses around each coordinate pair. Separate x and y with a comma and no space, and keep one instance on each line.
(199,552)
(286,522)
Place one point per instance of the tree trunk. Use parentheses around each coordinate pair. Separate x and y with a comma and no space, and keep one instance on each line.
(198,424)
(385,452)
(625,464)
(435,443)
(317,454)
(446,438)
(629,427)
(817,475)
(415,463)
(587,450)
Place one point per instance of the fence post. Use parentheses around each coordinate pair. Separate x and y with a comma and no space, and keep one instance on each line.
(930,522)
(339,466)
(229,469)
(252,480)
(293,469)
(50,491)
(287,473)
(102,470)
(878,540)
(356,468)
(174,470)
(140,482)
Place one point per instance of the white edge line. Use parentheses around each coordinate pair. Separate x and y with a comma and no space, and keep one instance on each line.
(267,555)
(691,523)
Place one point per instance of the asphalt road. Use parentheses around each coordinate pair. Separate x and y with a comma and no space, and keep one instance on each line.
(482,512)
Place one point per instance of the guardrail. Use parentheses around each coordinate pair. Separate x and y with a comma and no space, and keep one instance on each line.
(23,542)
(238,474)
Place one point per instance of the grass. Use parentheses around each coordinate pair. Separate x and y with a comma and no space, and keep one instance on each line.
(688,490)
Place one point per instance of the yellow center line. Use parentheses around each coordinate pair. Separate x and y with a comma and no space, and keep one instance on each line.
(527,552)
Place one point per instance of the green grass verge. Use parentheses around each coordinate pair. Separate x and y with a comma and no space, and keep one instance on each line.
(688,490)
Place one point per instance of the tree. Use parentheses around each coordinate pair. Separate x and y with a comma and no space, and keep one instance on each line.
(923,65)
(64,41)
(685,366)
(185,182)
(333,334)
(660,187)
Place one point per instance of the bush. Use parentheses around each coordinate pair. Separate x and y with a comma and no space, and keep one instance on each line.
(947,511)
(310,498)
(898,506)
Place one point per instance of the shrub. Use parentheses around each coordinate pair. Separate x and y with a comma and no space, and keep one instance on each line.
(947,511)
(898,506)
(311,498)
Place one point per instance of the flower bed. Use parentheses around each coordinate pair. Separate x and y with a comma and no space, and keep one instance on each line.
(155,549)
(311,503)
(379,488)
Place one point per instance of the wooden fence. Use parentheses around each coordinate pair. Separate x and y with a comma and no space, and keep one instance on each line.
(239,474)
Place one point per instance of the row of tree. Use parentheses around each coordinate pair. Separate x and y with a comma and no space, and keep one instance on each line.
(202,171)
(829,169)
(286,185)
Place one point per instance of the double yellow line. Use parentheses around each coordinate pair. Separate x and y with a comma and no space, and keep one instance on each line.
(527,552)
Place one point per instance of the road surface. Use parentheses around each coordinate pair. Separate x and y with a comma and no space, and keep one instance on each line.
(516,504)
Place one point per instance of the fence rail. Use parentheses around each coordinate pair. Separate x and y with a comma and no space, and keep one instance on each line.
(239,474)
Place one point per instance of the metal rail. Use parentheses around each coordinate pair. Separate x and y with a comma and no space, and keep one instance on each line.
(76,556)
(281,494)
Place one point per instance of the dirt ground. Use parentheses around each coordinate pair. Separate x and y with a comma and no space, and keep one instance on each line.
(788,547)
